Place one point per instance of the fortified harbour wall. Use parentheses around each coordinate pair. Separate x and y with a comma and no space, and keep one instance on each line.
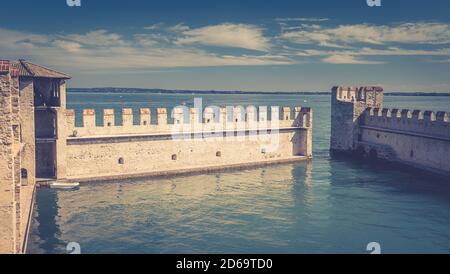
(196,140)
(39,140)
(360,125)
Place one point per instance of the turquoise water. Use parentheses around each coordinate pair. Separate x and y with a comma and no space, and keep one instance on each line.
(328,205)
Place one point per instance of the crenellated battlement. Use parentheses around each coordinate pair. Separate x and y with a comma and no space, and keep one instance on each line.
(186,119)
(183,139)
(360,124)
(417,121)
(366,94)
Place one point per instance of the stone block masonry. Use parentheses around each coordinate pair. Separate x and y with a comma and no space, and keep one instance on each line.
(14,209)
(420,139)
(209,139)
(8,243)
(32,100)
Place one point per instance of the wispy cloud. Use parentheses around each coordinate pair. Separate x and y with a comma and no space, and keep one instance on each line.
(302,19)
(178,28)
(390,51)
(101,49)
(227,35)
(97,38)
(154,26)
(421,33)
(173,46)
(348,59)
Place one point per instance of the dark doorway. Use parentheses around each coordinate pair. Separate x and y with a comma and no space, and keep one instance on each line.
(45,159)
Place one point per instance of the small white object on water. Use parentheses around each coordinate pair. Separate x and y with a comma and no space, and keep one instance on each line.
(57,185)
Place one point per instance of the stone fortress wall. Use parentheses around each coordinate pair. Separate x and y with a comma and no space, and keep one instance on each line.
(16,154)
(416,138)
(40,142)
(196,140)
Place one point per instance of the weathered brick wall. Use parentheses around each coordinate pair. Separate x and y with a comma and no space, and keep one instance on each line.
(11,235)
(28,128)
(417,138)
(224,140)
(7,214)
(61,142)
(15,119)
(153,155)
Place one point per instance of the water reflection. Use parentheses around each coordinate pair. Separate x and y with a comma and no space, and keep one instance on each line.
(325,206)
(232,211)
(329,205)
(404,210)
(45,223)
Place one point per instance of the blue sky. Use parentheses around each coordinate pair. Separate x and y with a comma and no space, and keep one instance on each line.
(264,45)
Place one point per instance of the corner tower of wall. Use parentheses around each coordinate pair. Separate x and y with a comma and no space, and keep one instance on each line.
(347,107)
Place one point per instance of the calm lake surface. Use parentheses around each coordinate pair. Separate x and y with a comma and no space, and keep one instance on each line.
(327,205)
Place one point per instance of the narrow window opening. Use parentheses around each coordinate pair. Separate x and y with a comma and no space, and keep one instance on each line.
(218,154)
(411,154)
(24,177)
(121,161)
(145,123)
(23,173)
(174,157)
(16,132)
(109,124)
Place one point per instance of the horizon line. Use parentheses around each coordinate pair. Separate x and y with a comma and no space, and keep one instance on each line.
(183,91)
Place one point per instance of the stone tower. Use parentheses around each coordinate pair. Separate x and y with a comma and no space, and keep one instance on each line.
(347,106)
(32,131)
(10,159)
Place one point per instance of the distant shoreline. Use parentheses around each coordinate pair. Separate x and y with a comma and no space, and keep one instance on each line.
(166,91)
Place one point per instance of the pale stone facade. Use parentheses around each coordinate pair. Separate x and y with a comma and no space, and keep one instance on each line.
(24,125)
(360,125)
(192,143)
(16,152)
